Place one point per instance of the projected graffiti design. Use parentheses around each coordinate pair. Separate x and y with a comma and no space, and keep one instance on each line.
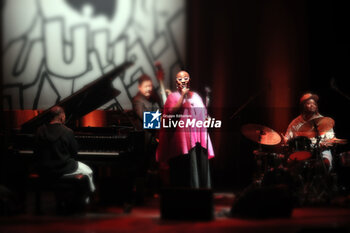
(57,47)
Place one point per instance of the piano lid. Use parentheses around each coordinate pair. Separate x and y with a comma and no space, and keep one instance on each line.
(85,100)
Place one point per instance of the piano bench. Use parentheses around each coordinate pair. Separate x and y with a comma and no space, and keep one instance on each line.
(70,191)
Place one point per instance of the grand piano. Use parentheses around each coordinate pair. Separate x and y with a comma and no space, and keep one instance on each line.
(115,152)
(97,143)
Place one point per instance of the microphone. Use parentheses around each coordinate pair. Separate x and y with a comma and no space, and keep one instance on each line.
(183,86)
(207,98)
(207,89)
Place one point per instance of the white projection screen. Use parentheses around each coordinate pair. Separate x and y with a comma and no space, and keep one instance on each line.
(52,48)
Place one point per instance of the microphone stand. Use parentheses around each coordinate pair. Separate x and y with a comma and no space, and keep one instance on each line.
(335,87)
(246,103)
(320,180)
(207,100)
(194,181)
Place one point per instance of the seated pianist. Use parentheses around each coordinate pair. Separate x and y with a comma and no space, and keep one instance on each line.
(56,148)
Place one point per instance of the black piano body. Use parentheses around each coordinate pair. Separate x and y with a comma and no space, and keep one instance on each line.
(115,153)
(96,144)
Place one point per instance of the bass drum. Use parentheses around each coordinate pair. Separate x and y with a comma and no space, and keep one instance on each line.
(299,149)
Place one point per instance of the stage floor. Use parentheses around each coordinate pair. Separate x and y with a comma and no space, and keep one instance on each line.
(146,218)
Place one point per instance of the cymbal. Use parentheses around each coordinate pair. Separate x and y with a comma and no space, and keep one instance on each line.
(308,129)
(339,141)
(334,141)
(261,134)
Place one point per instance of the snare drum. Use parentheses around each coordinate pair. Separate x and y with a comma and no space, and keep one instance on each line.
(299,148)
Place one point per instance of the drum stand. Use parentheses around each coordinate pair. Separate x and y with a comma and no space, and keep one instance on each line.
(317,181)
(261,162)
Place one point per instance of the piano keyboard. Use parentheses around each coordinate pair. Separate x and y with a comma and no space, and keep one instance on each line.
(113,153)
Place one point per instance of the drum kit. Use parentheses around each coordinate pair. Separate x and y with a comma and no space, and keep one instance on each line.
(296,160)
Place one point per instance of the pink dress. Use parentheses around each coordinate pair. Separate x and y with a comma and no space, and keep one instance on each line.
(176,141)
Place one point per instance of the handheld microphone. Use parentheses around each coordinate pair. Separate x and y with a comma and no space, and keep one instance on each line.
(183,86)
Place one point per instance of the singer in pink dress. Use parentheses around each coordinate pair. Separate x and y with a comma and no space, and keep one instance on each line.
(184,147)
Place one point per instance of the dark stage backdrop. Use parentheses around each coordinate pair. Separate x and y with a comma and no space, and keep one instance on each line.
(266,54)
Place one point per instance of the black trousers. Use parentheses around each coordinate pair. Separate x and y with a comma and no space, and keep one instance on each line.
(191,170)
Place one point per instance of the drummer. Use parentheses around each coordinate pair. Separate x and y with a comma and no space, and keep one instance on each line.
(309,111)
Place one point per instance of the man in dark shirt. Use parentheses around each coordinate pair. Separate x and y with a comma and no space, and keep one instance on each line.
(145,99)
(56,149)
